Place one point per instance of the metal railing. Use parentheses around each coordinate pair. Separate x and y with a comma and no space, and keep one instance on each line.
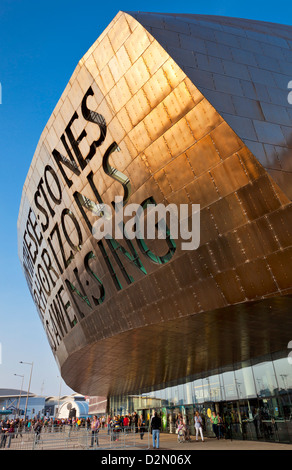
(71,438)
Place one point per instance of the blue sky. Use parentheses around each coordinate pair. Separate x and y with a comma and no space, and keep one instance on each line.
(40,45)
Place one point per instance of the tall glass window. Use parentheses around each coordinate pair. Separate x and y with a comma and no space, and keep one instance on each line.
(245,383)
(265,379)
(215,388)
(231,386)
(188,393)
(284,375)
(256,398)
(198,391)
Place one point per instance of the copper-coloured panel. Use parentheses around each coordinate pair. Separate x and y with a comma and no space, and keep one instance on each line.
(133,122)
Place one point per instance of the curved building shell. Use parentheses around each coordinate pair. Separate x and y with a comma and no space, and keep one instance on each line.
(176,109)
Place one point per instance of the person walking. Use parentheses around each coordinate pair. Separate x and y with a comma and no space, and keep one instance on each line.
(135,420)
(4,433)
(180,428)
(198,426)
(95,425)
(37,430)
(155,427)
(20,427)
(126,423)
(109,420)
(219,426)
(214,421)
(141,424)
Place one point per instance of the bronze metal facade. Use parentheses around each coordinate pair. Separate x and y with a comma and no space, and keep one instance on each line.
(140,118)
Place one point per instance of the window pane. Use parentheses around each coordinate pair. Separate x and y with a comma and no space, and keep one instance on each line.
(232,388)
(265,379)
(245,383)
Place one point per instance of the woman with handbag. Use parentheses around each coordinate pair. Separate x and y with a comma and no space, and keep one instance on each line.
(198,426)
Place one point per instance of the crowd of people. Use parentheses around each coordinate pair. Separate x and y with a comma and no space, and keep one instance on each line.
(137,424)
(17,427)
(131,422)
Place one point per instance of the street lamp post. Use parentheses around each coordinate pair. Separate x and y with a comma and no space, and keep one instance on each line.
(18,408)
(31,364)
(59,396)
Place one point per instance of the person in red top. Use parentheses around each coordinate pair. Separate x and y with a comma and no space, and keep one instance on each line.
(126,422)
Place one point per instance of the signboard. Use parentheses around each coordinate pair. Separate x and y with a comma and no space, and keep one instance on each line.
(5,412)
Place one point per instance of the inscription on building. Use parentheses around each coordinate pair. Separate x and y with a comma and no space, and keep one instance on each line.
(52,240)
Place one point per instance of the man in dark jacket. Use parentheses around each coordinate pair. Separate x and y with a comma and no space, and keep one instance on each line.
(155,428)
(135,421)
(37,429)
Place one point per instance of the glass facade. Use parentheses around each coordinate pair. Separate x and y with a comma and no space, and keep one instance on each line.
(35,406)
(254,400)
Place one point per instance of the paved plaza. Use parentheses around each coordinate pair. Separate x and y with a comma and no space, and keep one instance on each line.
(81,440)
(169,442)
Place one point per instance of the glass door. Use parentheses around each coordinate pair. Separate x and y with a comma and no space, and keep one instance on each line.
(209,408)
(189,413)
(232,420)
